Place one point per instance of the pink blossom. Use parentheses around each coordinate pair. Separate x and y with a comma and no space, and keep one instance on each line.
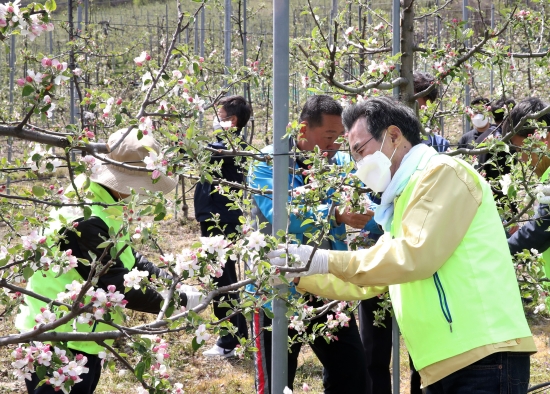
(21,82)
(46,62)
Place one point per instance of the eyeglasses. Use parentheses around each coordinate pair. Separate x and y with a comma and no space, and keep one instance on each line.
(357,154)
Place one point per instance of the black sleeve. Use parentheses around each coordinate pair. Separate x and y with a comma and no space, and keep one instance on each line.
(534,234)
(91,231)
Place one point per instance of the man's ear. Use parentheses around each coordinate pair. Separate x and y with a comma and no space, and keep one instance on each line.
(303,128)
(395,134)
(234,120)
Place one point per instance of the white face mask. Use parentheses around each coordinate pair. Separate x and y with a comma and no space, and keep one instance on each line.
(480,121)
(374,170)
(216,124)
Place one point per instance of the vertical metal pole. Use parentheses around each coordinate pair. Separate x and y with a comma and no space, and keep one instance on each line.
(281,14)
(12,73)
(71,66)
(196,34)
(245,85)
(86,15)
(202,32)
(396,48)
(425,39)
(227,39)
(79,30)
(441,119)
(12,80)
(492,69)
(202,53)
(466,122)
(369,20)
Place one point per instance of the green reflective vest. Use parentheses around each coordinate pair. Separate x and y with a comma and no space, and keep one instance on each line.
(47,285)
(546,253)
(473,300)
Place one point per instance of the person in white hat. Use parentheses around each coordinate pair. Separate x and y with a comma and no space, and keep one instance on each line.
(109,185)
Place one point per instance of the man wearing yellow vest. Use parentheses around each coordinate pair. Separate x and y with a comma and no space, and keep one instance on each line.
(453,289)
(109,185)
(534,234)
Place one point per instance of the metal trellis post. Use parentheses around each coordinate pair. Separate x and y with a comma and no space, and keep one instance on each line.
(396,48)
(227,39)
(492,69)
(12,79)
(245,85)
(281,14)
(466,123)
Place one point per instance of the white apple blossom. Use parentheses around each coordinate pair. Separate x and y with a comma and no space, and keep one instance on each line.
(36,77)
(505,183)
(31,241)
(46,316)
(92,164)
(146,125)
(134,278)
(186,261)
(142,58)
(256,240)
(201,334)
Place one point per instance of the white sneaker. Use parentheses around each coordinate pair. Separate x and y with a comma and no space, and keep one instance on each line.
(216,351)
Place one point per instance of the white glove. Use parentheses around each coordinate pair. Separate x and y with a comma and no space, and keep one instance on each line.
(194,296)
(302,253)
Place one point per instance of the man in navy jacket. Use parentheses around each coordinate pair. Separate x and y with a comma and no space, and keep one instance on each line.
(233,112)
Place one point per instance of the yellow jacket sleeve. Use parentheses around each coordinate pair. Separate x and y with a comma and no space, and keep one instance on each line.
(329,286)
(438,215)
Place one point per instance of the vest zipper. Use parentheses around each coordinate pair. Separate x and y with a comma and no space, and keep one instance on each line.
(443,301)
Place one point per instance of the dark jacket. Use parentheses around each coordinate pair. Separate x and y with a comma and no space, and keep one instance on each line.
(207,203)
(92,230)
(439,143)
(534,234)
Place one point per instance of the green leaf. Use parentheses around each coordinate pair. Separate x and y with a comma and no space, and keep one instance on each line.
(38,190)
(269,313)
(118,119)
(195,345)
(139,370)
(87,212)
(50,5)
(41,372)
(28,272)
(103,245)
(27,90)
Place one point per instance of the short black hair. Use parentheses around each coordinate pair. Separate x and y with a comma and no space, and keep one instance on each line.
(527,106)
(499,108)
(238,106)
(317,106)
(479,100)
(382,112)
(423,81)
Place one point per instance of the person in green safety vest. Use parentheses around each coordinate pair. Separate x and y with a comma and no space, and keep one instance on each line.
(109,184)
(533,234)
(453,289)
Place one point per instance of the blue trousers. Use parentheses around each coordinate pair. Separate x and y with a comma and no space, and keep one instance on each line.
(499,373)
